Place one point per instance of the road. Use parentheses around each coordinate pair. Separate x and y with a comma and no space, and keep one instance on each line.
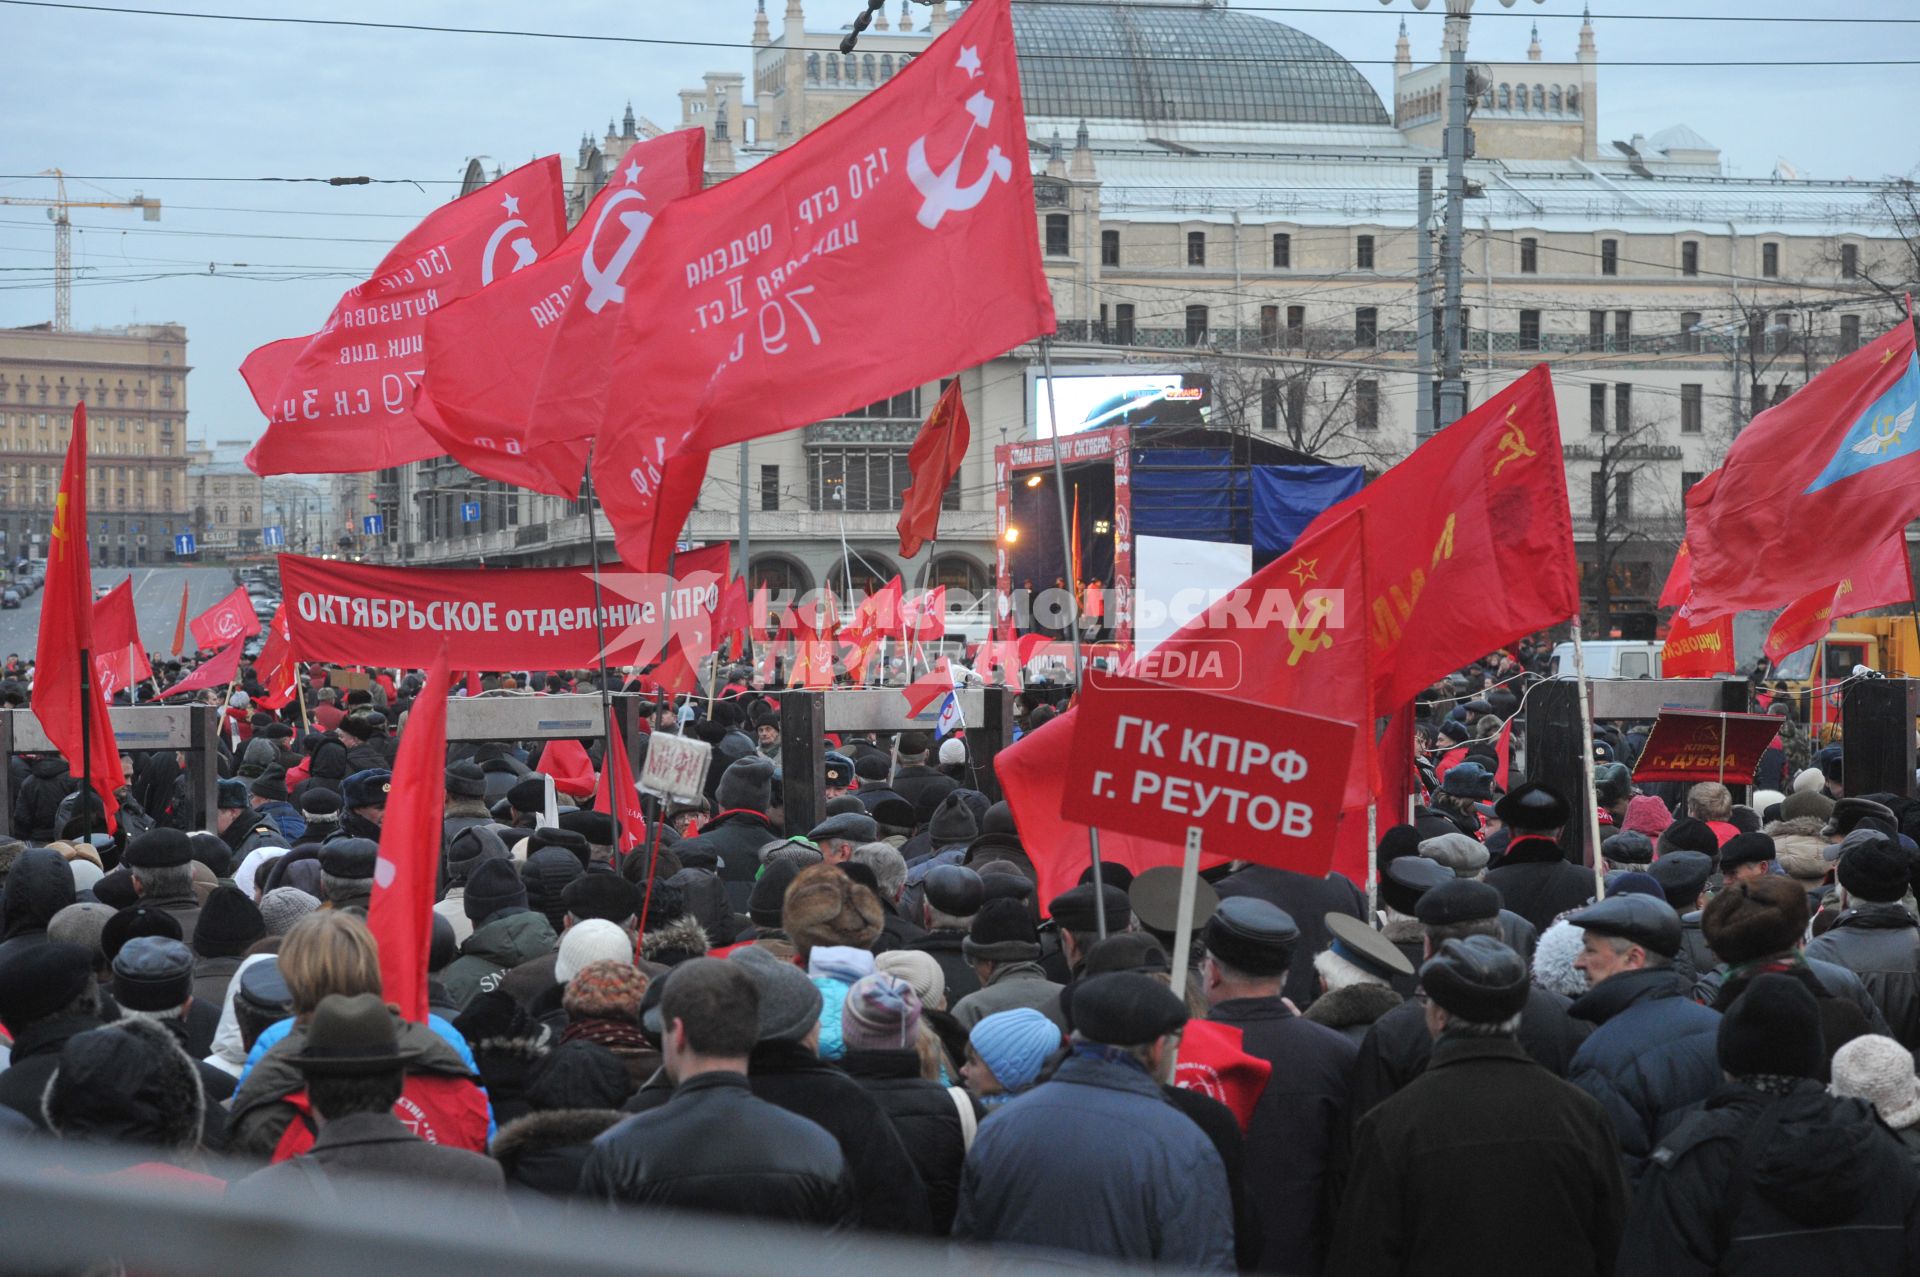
(156,597)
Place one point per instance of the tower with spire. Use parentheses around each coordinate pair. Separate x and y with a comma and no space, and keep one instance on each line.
(762,36)
(1533,50)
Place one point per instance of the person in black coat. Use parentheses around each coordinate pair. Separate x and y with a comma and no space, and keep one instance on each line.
(1482,1113)
(715,1146)
(880,1025)
(36,806)
(1307,900)
(575,1095)
(733,838)
(1773,1175)
(39,885)
(1292,1138)
(1396,1049)
(48,994)
(1533,875)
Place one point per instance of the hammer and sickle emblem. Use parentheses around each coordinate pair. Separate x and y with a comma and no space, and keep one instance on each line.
(1310,637)
(943,192)
(523,250)
(1513,444)
(604,286)
(61,532)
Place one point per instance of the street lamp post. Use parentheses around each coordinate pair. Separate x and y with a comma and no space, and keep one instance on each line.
(1458,146)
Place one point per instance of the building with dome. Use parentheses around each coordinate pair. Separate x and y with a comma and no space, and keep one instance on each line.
(1221,195)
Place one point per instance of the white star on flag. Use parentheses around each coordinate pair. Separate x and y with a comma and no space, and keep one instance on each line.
(633,173)
(512,204)
(969,61)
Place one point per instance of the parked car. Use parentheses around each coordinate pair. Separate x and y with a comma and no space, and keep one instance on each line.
(10,598)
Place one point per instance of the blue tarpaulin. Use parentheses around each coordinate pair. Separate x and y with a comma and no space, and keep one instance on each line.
(1287,498)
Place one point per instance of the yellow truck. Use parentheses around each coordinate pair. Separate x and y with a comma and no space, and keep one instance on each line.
(1811,677)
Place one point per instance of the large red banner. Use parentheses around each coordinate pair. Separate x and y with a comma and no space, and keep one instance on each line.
(1881,578)
(494,618)
(341,400)
(1702,745)
(776,298)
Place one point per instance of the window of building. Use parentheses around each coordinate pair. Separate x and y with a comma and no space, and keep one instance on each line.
(1529,330)
(1363,252)
(1553,99)
(1366,404)
(833,69)
(1196,325)
(813,68)
(1123,323)
(1758,398)
(1849,261)
(1596,330)
(1623,330)
(904,404)
(1282,251)
(1196,248)
(1693,399)
(1770,260)
(1597,495)
(769,487)
(1782,332)
(867,68)
(1622,408)
(1366,326)
(1269,403)
(1691,338)
(886,66)
(1296,326)
(1688,478)
(1057,230)
(1780,393)
(1109,248)
(856,478)
(1690,257)
(1297,402)
(1609,257)
(1596,410)
(1529,256)
(1506,96)
(1269,324)
(1849,334)
(1623,495)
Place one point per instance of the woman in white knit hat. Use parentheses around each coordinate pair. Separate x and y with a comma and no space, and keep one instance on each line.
(1879,1070)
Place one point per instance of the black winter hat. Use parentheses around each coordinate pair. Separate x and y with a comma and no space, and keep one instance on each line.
(1074,910)
(529,795)
(38,981)
(1125,1008)
(546,874)
(231,795)
(1002,931)
(466,780)
(769,896)
(368,788)
(354,858)
(472,845)
(1874,869)
(229,922)
(594,826)
(1408,878)
(954,890)
(565,839)
(1462,900)
(1746,849)
(747,785)
(1479,980)
(1773,1027)
(1682,875)
(1398,841)
(140,920)
(444,947)
(1689,834)
(271,785)
(152,973)
(320,805)
(212,851)
(1253,935)
(952,821)
(1533,808)
(599,894)
(161,848)
(1630,848)
(492,886)
(1652,924)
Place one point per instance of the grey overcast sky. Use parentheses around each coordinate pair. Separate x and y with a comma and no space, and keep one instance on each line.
(165,99)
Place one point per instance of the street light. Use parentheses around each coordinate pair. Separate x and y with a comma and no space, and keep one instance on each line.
(1458,146)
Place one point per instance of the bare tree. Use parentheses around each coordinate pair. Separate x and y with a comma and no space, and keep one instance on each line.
(1632,507)
(1309,390)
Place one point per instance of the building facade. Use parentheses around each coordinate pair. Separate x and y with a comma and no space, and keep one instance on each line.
(1240,204)
(134,383)
(226,506)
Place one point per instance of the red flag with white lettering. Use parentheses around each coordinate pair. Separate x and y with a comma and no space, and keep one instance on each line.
(231,618)
(341,400)
(538,343)
(773,292)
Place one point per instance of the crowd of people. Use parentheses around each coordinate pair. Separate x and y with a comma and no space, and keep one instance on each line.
(877,1022)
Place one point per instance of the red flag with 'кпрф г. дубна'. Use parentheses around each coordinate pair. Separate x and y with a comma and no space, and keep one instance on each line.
(770,296)
(341,400)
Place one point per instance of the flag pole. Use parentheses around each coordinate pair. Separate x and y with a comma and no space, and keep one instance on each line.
(600,638)
(1073,612)
(1591,821)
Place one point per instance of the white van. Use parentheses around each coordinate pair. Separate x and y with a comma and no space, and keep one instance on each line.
(1610,658)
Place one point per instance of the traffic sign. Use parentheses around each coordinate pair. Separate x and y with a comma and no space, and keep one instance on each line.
(185,544)
(273,538)
(469,512)
(373,524)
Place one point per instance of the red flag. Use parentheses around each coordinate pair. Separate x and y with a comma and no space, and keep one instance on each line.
(119,658)
(910,211)
(617,775)
(569,765)
(1214,1062)
(762,609)
(1289,637)
(1697,647)
(928,688)
(1882,579)
(1680,576)
(1503,755)
(217,671)
(925,617)
(400,914)
(473,683)
(675,673)
(66,696)
(732,615)
(342,401)
(231,618)
(1471,543)
(1841,456)
(180,626)
(537,344)
(934,460)
(279,669)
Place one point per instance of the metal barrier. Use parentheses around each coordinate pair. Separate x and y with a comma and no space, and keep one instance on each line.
(806,718)
(190,729)
(576,716)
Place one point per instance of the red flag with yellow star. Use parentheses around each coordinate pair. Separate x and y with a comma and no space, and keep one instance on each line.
(66,698)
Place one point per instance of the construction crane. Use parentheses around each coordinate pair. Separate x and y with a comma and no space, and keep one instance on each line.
(63,237)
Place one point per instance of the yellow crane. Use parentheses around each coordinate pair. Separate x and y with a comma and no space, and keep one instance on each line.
(63,237)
